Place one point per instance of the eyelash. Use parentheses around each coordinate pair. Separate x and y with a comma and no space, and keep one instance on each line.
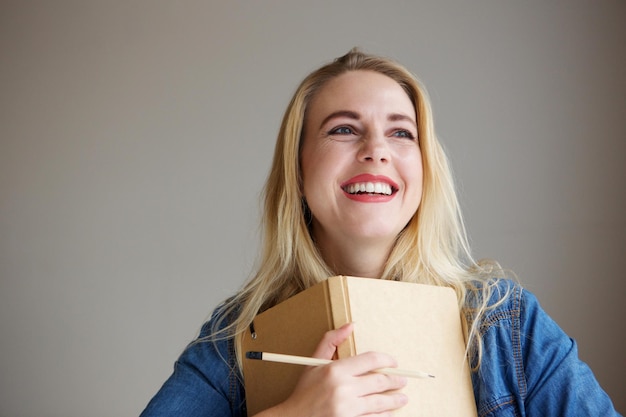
(406,134)
(348,130)
(335,131)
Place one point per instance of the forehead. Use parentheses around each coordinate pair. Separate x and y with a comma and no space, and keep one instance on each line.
(361,91)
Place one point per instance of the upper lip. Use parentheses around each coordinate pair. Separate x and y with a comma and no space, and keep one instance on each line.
(370,178)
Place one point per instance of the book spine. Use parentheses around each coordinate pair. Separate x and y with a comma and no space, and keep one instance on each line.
(339,302)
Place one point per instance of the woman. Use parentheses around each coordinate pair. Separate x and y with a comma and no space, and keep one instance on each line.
(360,186)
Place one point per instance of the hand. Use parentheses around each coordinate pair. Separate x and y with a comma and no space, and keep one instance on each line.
(346,387)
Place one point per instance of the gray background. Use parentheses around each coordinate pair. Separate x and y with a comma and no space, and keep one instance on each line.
(135,137)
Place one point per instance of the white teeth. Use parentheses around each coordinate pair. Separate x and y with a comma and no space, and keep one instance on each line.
(369,187)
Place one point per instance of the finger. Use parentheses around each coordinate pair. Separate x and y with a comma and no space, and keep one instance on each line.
(333,338)
(383,404)
(375,383)
(365,363)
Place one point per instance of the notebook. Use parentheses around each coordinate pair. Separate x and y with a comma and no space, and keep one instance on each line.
(417,324)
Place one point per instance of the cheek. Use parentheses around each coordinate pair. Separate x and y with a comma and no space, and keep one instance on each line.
(420,183)
(306,167)
(412,169)
(319,167)
(315,183)
(311,179)
(414,175)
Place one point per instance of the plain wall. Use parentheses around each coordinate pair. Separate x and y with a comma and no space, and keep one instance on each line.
(135,138)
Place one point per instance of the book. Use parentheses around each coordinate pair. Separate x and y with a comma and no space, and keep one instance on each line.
(419,325)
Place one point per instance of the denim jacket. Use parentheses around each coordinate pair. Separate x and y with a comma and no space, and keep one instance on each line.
(529,367)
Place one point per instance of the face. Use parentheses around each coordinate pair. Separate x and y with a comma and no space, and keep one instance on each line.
(360,159)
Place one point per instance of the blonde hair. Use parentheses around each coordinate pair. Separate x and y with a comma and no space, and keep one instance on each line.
(432,249)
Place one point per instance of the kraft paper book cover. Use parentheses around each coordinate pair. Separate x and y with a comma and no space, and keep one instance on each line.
(417,324)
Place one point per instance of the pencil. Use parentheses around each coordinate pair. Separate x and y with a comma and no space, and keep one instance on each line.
(303,360)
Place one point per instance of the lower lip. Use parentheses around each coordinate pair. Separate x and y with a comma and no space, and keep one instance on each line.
(369,198)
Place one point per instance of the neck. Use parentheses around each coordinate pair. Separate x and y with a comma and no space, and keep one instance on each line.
(352,259)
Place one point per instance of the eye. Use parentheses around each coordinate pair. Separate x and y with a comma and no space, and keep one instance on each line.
(402,133)
(341,130)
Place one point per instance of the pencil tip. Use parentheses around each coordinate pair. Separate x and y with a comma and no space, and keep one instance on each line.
(431,376)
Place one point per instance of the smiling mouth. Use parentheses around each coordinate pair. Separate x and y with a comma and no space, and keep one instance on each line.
(380,188)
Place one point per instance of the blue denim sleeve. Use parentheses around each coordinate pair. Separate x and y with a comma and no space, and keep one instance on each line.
(557,382)
(201,384)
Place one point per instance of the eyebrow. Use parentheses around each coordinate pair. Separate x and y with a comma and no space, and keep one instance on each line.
(393,117)
(341,113)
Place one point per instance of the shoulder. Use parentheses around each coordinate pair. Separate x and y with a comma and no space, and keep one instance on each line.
(215,341)
(510,305)
(507,300)
(528,361)
(205,380)
(496,299)
(501,378)
(210,359)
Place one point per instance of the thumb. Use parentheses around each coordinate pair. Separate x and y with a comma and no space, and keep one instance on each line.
(333,338)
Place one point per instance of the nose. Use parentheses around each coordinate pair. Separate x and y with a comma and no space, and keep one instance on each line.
(374,148)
